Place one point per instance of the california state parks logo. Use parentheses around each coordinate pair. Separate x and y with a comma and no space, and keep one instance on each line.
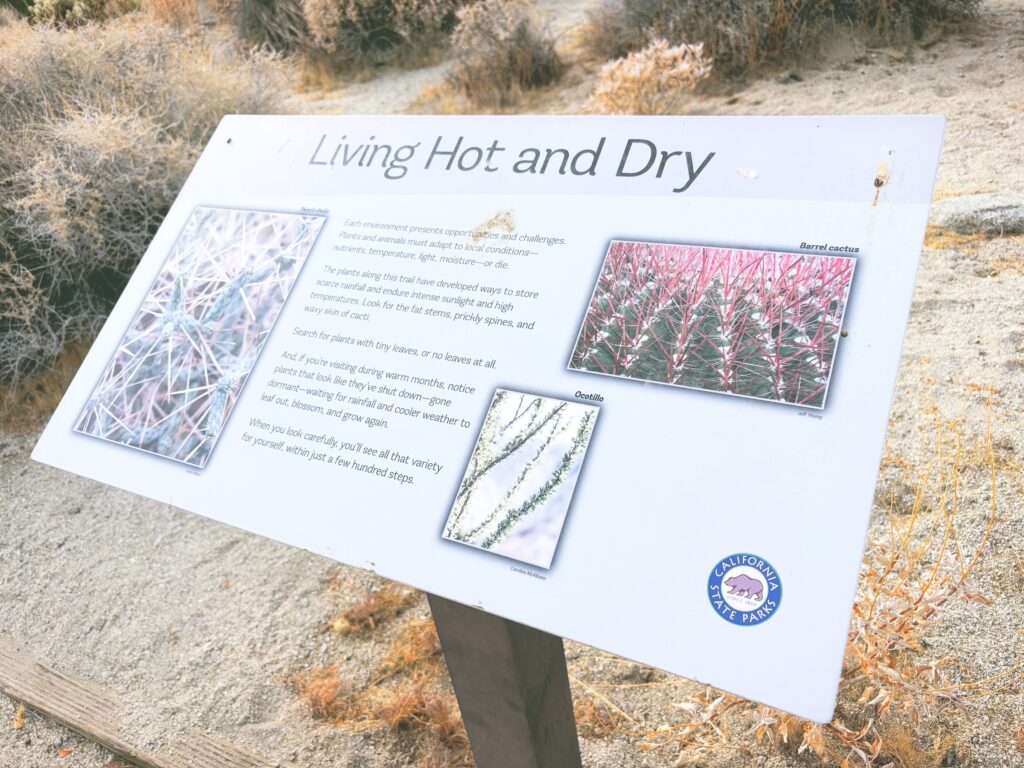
(744,589)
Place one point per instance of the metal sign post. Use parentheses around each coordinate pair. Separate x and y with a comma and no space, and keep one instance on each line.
(513,688)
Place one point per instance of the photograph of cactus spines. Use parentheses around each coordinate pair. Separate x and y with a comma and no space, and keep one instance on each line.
(184,359)
(758,324)
(516,491)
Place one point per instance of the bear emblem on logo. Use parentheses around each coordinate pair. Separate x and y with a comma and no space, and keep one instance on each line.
(745,586)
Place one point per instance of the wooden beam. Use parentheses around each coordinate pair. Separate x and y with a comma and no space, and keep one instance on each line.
(95,713)
(513,688)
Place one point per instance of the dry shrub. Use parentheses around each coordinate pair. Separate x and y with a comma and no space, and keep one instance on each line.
(654,81)
(177,13)
(101,124)
(12,11)
(416,643)
(276,25)
(896,20)
(419,707)
(597,718)
(500,51)
(408,695)
(741,36)
(359,33)
(73,12)
(375,607)
(413,705)
(905,749)
(744,36)
(334,35)
(323,693)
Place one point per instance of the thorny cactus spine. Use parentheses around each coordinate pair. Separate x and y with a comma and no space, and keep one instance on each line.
(539,442)
(754,323)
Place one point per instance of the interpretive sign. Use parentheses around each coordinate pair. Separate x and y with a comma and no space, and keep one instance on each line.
(624,380)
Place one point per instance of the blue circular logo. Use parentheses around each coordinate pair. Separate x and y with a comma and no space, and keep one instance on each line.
(744,589)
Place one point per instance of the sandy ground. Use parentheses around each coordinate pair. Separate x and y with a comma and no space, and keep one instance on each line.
(201,626)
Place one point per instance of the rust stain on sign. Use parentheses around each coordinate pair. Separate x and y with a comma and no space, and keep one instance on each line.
(502,220)
(881,179)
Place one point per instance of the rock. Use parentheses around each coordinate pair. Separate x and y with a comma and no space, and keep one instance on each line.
(1001,214)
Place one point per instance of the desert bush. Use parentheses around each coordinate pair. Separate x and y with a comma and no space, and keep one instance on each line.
(177,13)
(72,12)
(369,32)
(743,36)
(101,124)
(740,35)
(654,81)
(269,24)
(500,51)
(13,12)
(895,20)
(346,34)
(374,608)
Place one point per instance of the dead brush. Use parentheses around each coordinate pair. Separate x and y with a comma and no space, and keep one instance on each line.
(905,749)
(417,643)
(500,52)
(748,36)
(374,607)
(597,717)
(658,80)
(100,124)
(177,13)
(323,693)
(359,34)
(408,693)
(414,705)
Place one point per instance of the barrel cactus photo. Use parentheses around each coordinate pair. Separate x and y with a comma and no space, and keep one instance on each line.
(186,355)
(757,324)
(516,490)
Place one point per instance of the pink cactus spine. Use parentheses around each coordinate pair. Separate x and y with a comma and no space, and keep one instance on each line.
(755,323)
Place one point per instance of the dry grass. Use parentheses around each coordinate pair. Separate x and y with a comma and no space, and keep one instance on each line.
(941,239)
(374,608)
(597,717)
(324,694)
(1012,262)
(1020,740)
(408,695)
(904,749)
(177,13)
(417,643)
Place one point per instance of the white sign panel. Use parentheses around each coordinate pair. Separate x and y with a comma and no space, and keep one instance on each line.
(625,380)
